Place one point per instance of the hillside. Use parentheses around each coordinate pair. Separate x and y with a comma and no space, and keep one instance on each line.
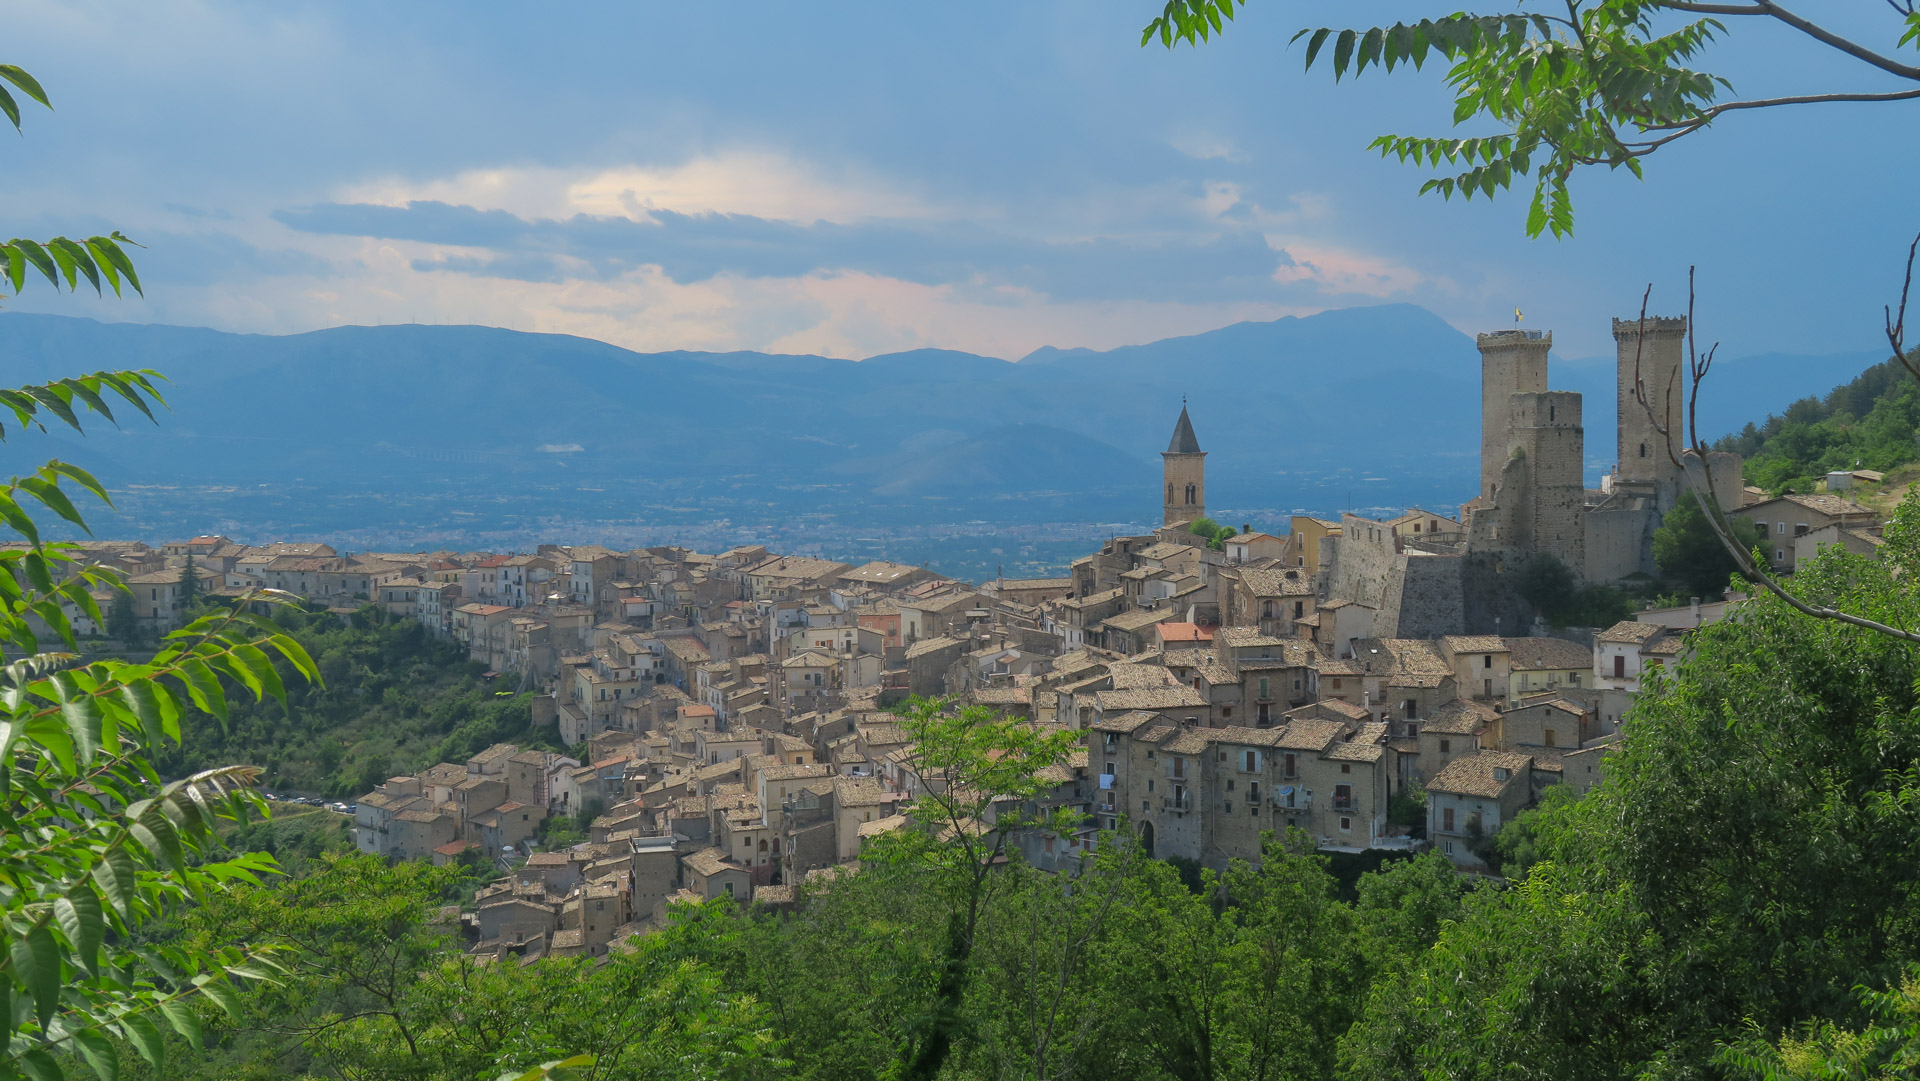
(1868,423)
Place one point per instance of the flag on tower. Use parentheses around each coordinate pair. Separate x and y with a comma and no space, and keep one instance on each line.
(1517,316)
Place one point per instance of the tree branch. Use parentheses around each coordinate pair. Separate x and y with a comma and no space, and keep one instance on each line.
(1703,487)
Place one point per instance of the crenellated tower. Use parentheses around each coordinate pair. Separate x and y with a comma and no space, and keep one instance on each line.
(1651,357)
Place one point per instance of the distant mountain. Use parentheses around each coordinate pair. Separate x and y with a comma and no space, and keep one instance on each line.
(452,431)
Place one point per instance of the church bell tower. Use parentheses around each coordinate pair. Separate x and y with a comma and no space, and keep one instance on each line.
(1184,469)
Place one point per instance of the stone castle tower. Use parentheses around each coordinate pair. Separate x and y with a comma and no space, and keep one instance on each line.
(1184,469)
(1643,464)
(1511,362)
(1542,489)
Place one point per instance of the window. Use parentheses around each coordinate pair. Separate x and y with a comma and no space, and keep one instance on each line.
(1548,738)
(1487,661)
(1446,820)
(1620,665)
(1263,687)
(1346,825)
(1179,767)
(1780,527)
(1226,808)
(1446,746)
(1643,450)
(1288,765)
(1299,609)
(1346,767)
(1251,761)
(1229,786)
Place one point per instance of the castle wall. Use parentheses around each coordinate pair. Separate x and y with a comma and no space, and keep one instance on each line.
(1641,448)
(1511,362)
(1618,543)
(1360,559)
(1546,434)
(1424,598)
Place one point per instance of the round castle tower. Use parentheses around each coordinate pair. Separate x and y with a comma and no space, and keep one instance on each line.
(1184,471)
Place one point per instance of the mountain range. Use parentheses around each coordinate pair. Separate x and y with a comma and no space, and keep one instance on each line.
(409,433)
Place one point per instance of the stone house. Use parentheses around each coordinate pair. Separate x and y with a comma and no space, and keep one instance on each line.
(1472,798)
(1783,520)
(1542,665)
(1482,664)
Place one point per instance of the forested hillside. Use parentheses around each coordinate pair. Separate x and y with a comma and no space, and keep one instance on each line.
(1869,423)
(395,699)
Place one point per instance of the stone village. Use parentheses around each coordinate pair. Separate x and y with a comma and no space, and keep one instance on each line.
(730,711)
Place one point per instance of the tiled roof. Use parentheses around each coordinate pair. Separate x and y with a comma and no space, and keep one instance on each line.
(1476,774)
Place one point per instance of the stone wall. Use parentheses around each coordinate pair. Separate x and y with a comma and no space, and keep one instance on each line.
(1619,543)
(1359,561)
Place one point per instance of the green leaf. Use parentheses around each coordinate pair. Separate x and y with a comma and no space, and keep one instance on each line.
(41,1066)
(99,1053)
(145,1038)
(36,961)
(222,993)
(9,107)
(80,919)
(184,1021)
(27,83)
(38,257)
(114,874)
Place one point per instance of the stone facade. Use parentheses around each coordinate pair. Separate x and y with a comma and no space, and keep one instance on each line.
(1652,357)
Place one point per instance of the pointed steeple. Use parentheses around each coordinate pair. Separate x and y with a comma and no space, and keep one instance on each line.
(1183,441)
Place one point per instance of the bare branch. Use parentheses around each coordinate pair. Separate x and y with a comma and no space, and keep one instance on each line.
(1812,29)
(1703,487)
(1897,324)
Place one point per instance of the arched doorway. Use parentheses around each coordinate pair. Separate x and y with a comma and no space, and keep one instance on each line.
(1146,838)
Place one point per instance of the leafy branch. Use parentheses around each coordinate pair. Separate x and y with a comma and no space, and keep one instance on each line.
(1599,85)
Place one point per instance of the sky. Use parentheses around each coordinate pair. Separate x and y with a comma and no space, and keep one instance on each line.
(858,178)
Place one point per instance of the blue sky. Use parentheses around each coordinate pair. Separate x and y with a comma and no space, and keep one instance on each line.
(859,178)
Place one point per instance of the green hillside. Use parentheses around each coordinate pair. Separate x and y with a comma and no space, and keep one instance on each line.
(1869,423)
(396,699)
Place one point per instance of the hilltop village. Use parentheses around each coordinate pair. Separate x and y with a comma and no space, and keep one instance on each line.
(730,712)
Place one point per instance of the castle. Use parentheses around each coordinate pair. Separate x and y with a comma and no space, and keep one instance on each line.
(1532,498)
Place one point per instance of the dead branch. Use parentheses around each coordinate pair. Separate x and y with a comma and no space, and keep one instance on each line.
(1702,486)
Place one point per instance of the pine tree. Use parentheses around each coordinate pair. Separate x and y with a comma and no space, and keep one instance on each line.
(189,586)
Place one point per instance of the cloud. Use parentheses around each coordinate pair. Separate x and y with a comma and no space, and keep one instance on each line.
(755,183)
(1204,146)
(1231,261)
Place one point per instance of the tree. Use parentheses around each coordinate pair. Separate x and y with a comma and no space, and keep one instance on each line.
(977,770)
(1689,553)
(94,848)
(1210,531)
(123,625)
(189,585)
(1605,84)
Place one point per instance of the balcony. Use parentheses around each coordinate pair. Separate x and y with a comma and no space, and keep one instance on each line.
(1177,804)
(1348,804)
